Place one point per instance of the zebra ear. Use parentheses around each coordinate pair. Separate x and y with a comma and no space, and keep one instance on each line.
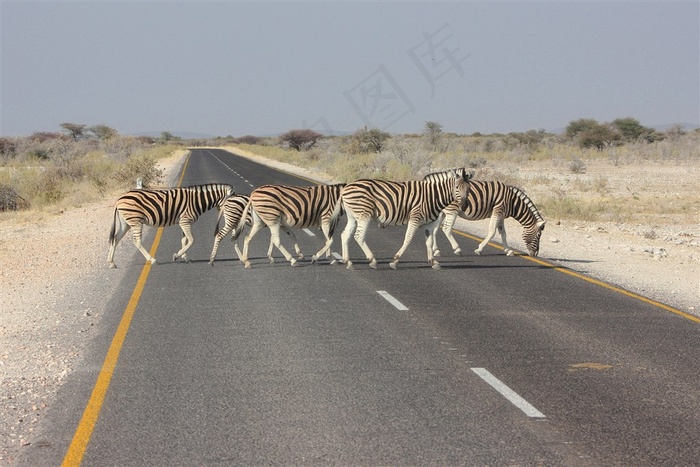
(466,176)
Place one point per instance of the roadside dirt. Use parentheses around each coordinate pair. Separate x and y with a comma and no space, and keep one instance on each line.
(55,283)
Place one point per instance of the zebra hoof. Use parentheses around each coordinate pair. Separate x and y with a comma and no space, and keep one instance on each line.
(350,265)
(373,264)
(248,265)
(314,259)
(509,253)
(478,252)
(333,262)
(152,260)
(458,252)
(436,265)
(211,262)
(272,260)
(394,265)
(112,266)
(294,263)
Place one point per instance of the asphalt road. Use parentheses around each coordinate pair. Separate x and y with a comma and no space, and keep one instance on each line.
(491,360)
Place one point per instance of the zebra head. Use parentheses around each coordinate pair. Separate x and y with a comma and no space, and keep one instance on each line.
(531,237)
(462,187)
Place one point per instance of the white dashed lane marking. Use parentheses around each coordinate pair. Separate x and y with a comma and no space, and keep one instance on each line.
(397,304)
(508,393)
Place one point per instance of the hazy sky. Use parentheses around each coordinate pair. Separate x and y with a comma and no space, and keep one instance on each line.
(237,68)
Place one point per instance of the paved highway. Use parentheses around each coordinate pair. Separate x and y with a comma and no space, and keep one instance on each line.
(491,360)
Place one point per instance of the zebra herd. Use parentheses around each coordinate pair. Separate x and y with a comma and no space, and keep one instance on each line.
(423,205)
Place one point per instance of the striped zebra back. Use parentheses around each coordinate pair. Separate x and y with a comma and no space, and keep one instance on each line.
(296,206)
(396,203)
(232,210)
(485,196)
(164,207)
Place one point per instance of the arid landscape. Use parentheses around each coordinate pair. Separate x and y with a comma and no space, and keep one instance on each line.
(55,281)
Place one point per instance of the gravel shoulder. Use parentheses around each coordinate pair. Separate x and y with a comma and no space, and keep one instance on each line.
(55,285)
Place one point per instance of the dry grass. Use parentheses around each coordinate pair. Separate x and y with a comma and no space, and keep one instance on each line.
(57,183)
(639,183)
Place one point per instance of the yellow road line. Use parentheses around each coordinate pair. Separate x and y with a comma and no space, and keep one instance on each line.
(593,281)
(83,433)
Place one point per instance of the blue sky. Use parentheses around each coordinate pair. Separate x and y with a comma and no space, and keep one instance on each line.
(238,68)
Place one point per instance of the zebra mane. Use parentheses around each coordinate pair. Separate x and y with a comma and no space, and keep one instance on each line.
(444,174)
(527,202)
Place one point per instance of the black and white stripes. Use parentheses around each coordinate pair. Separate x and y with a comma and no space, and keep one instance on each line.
(283,206)
(417,203)
(163,208)
(497,201)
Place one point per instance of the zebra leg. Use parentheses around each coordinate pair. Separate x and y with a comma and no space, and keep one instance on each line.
(291,234)
(447,225)
(269,252)
(345,239)
(502,231)
(275,239)
(325,227)
(430,231)
(257,225)
(220,236)
(360,234)
(410,231)
(187,241)
(493,223)
(217,240)
(136,235)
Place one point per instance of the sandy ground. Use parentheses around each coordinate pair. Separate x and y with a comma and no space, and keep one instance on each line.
(54,285)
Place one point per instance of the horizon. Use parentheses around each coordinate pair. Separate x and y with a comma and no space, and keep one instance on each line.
(243,68)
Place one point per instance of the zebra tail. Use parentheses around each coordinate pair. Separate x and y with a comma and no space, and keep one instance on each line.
(217,228)
(241,222)
(335,216)
(113,231)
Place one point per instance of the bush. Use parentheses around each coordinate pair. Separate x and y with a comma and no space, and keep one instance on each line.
(366,141)
(10,200)
(300,139)
(141,165)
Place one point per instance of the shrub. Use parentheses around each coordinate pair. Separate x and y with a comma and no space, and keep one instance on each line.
(366,141)
(10,200)
(300,139)
(577,166)
(141,165)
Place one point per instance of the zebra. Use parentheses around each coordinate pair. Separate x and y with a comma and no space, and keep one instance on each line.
(162,208)
(418,203)
(285,206)
(232,211)
(497,201)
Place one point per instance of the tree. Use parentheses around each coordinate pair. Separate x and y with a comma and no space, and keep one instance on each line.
(575,127)
(598,137)
(365,141)
(433,134)
(75,130)
(300,139)
(632,130)
(102,132)
(588,133)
